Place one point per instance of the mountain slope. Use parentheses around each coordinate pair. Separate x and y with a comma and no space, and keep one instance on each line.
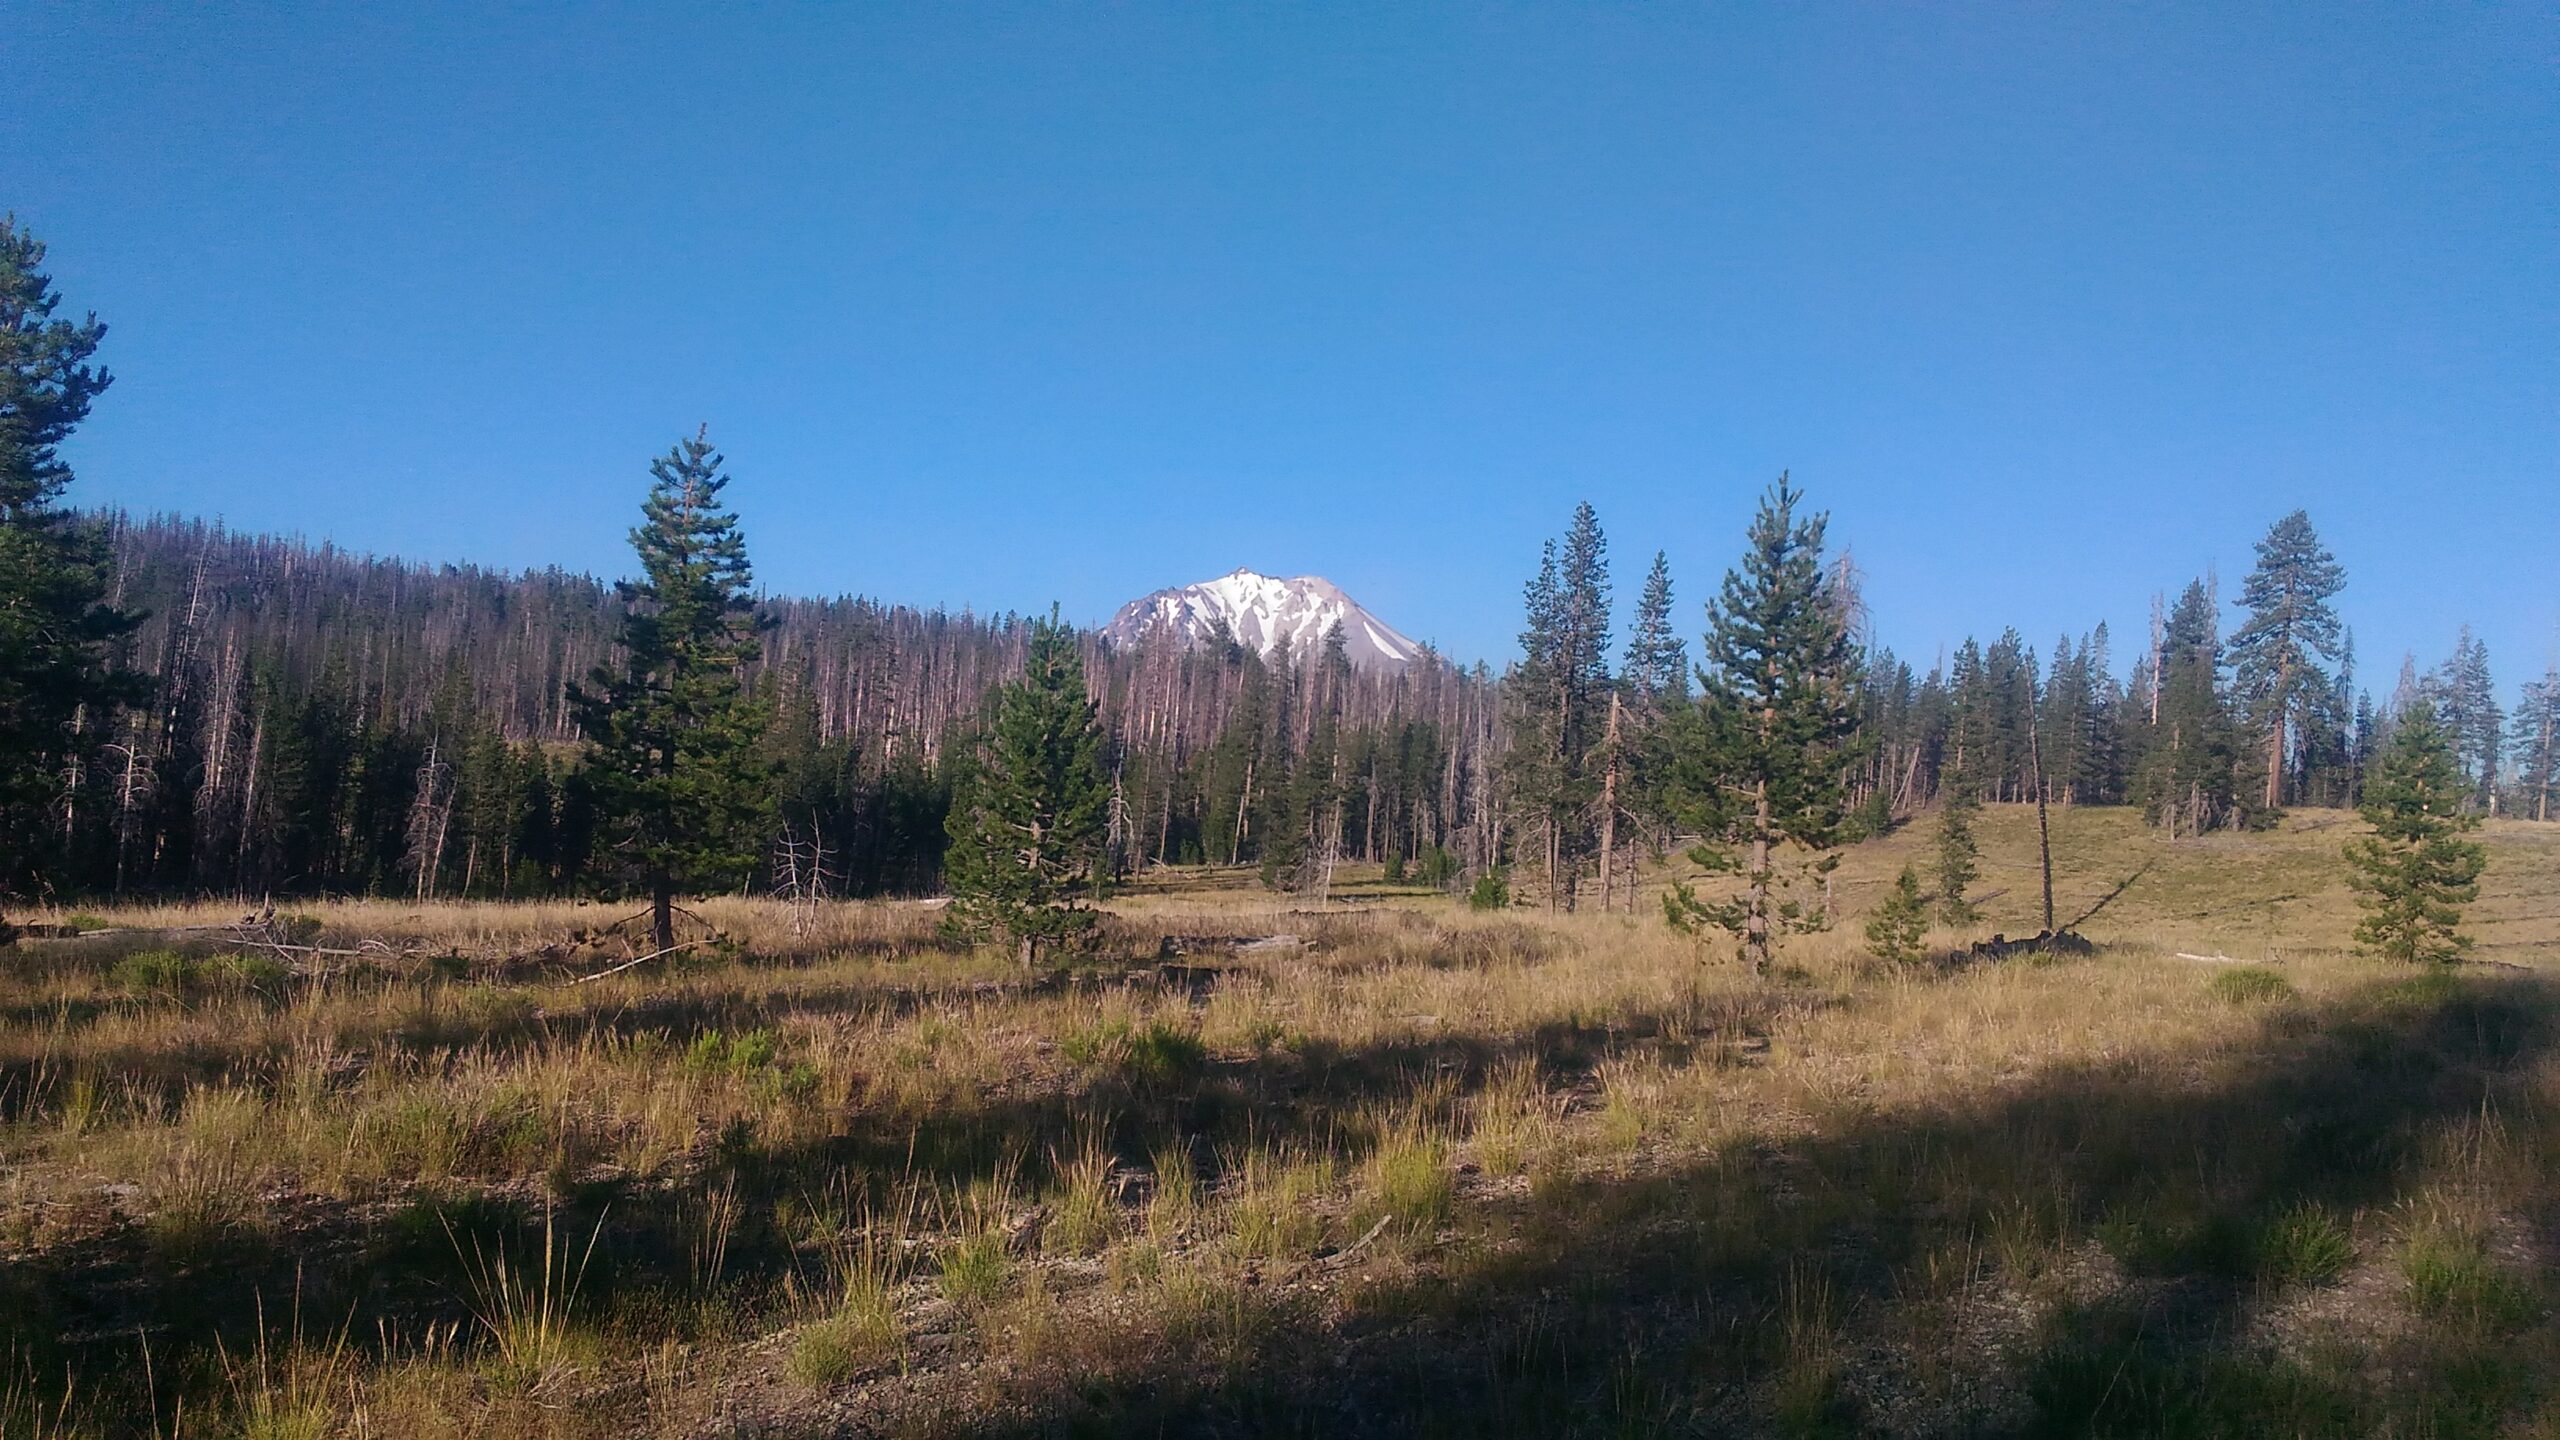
(1260,611)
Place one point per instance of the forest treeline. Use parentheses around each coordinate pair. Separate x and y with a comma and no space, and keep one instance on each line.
(313,721)
(187,710)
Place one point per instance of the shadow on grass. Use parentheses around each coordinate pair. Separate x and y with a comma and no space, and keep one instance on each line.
(384,1275)
(1781,1289)
(1768,1287)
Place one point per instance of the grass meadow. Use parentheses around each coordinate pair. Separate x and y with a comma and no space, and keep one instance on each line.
(1403,1169)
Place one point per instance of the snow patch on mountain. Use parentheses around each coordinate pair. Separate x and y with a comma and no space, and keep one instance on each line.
(1260,611)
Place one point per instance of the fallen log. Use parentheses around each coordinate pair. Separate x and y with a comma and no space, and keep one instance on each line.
(2043,942)
(635,960)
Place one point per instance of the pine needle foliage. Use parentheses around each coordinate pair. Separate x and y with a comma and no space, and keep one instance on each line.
(1899,926)
(1656,669)
(1760,764)
(1028,816)
(2415,872)
(1958,853)
(679,780)
(2278,654)
(54,626)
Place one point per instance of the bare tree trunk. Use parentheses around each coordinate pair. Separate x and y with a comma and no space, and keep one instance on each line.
(2158,626)
(2542,793)
(2275,736)
(1609,812)
(2044,833)
(1755,920)
(1244,799)
(662,913)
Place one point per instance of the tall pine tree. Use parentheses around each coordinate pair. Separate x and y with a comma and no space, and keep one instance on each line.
(2466,707)
(54,626)
(2535,744)
(1028,815)
(1559,700)
(680,784)
(2186,778)
(1656,670)
(2415,872)
(2277,653)
(1761,769)
(1958,854)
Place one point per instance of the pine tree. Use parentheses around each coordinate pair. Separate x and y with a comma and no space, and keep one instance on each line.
(2009,676)
(1762,768)
(1958,854)
(1656,668)
(2100,779)
(2277,652)
(2535,744)
(2466,707)
(1558,697)
(2414,873)
(1027,816)
(1901,923)
(54,626)
(2186,778)
(678,778)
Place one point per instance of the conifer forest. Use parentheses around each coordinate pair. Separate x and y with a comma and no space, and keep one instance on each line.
(317,723)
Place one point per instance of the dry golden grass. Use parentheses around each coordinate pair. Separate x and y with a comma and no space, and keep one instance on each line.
(1428,1171)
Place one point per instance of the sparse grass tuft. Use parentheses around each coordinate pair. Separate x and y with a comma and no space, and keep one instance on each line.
(860,1332)
(1410,1180)
(1085,1219)
(2453,1277)
(526,1307)
(976,1268)
(2307,1245)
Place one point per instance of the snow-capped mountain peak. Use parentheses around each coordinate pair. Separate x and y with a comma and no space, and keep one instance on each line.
(1261,610)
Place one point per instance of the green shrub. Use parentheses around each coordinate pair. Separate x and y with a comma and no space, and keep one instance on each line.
(1157,1053)
(796,1081)
(174,973)
(742,1054)
(1084,1047)
(1436,868)
(156,972)
(1492,892)
(2249,984)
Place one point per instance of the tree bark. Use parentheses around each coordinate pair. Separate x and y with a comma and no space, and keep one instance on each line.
(1755,922)
(2044,832)
(2275,735)
(1609,812)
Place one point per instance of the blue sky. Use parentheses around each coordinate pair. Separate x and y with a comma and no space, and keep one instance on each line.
(2052,307)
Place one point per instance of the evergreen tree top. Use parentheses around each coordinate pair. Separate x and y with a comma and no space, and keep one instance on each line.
(695,603)
(1774,626)
(46,380)
(2415,791)
(2291,624)
(1657,660)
